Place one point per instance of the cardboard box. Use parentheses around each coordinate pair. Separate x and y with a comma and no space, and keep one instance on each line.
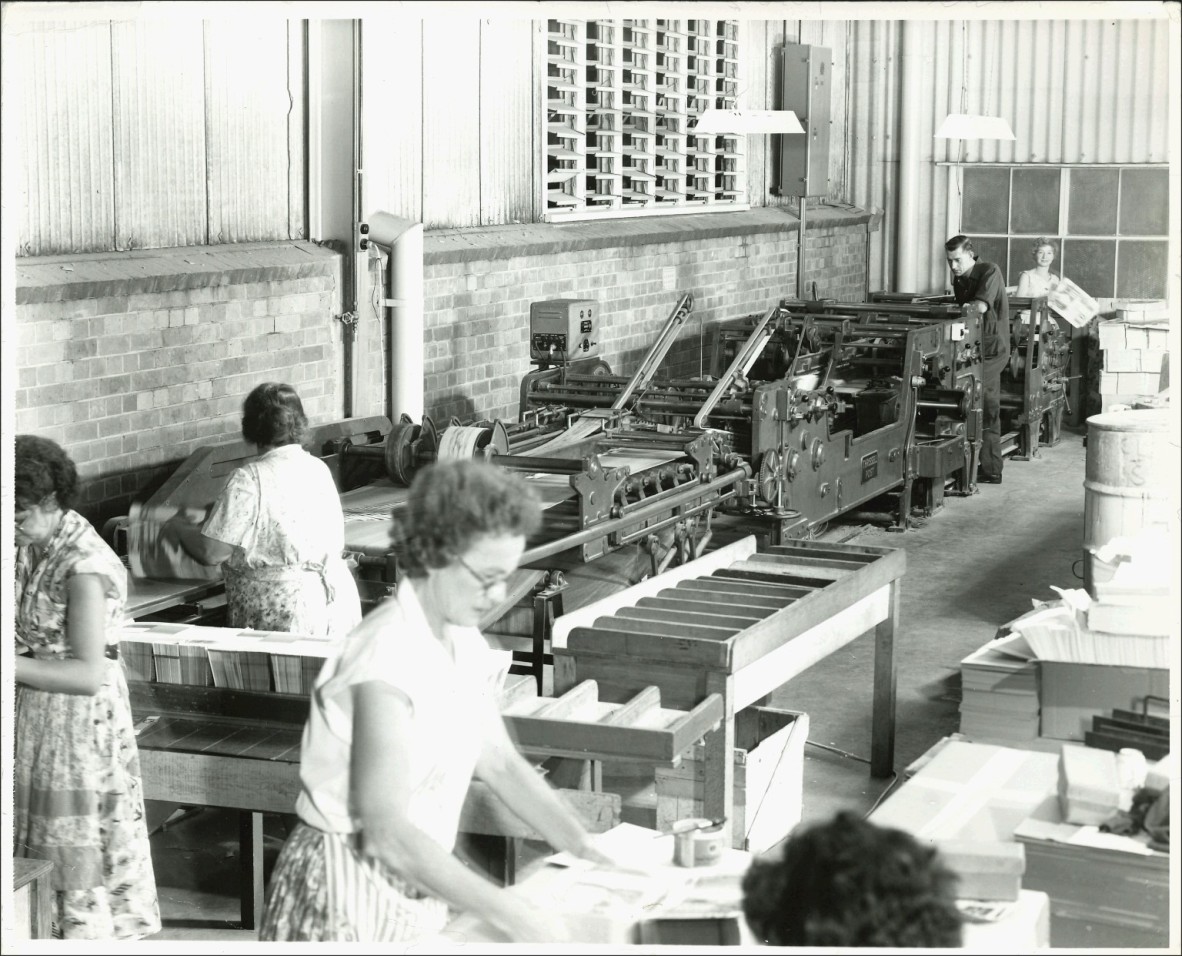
(972,792)
(769,779)
(1072,694)
(1129,383)
(1105,891)
(1089,785)
(987,871)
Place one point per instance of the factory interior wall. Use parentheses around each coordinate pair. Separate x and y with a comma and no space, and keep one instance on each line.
(478,293)
(133,361)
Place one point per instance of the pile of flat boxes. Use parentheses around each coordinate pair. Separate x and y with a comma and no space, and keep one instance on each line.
(1136,354)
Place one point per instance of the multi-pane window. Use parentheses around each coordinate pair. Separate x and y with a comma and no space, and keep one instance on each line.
(622,99)
(1110,224)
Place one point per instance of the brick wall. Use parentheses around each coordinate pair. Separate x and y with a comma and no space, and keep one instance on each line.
(477,307)
(133,362)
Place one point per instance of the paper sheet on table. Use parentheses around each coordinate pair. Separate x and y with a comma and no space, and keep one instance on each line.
(639,849)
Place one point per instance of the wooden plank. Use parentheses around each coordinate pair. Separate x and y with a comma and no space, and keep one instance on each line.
(828,549)
(796,558)
(768,671)
(698,603)
(731,593)
(682,686)
(786,578)
(206,780)
(700,617)
(785,593)
(571,704)
(882,734)
(658,628)
(270,708)
(250,867)
(618,743)
(636,646)
(814,608)
(718,792)
(694,569)
(630,713)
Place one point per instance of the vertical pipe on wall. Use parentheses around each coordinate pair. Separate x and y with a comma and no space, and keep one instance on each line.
(403,240)
(907,270)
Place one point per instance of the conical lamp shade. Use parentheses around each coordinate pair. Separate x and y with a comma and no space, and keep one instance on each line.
(968,126)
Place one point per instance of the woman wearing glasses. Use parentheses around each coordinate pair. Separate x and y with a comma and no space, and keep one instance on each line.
(77,800)
(401,720)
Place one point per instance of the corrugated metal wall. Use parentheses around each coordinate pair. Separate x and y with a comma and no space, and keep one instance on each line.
(141,135)
(1079,91)
(156,133)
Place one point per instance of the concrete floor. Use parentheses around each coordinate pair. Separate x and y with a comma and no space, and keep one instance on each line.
(971,567)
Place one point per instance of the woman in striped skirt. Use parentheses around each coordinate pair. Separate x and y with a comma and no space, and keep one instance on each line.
(401,719)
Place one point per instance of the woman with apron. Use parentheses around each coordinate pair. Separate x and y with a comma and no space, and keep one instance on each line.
(277,529)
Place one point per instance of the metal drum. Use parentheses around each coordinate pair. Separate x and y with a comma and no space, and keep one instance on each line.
(1128,483)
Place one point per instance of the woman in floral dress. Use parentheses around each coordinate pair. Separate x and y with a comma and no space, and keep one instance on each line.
(78,800)
(277,529)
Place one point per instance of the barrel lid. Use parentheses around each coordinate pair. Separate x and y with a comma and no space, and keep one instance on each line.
(1134,420)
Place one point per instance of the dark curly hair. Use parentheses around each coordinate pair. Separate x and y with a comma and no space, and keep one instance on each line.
(273,415)
(851,883)
(452,503)
(42,467)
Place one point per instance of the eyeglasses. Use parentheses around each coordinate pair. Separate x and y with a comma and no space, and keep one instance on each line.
(487,584)
(21,518)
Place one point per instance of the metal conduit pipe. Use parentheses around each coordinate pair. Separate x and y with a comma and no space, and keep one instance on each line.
(911,96)
(403,240)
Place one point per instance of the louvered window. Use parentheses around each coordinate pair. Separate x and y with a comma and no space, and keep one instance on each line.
(622,98)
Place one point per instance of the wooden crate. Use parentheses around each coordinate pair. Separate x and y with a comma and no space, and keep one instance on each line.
(31,913)
(769,779)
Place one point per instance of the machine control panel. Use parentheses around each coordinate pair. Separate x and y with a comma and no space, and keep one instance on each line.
(562,330)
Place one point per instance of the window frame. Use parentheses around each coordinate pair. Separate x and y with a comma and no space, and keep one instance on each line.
(670,146)
(1062,235)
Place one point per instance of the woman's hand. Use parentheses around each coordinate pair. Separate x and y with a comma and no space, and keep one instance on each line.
(587,850)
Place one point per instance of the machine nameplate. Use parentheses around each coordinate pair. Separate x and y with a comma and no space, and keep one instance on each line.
(869,466)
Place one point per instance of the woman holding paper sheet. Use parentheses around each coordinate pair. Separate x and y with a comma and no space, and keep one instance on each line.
(277,529)
(1039,280)
(402,718)
(78,800)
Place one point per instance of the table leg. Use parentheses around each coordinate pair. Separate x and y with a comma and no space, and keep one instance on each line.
(882,734)
(250,867)
(718,793)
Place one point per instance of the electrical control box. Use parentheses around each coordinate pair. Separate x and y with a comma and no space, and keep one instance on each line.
(562,330)
(804,160)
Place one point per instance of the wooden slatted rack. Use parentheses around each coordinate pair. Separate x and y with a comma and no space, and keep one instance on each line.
(739,624)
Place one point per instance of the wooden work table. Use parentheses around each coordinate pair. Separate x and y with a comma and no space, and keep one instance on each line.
(209,746)
(700,906)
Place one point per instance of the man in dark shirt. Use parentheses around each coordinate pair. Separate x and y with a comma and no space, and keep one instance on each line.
(979,288)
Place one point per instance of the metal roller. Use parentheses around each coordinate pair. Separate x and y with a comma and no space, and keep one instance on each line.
(461,441)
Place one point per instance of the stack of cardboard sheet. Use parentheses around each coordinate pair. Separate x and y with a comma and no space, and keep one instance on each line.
(999,701)
(1136,353)
(222,657)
